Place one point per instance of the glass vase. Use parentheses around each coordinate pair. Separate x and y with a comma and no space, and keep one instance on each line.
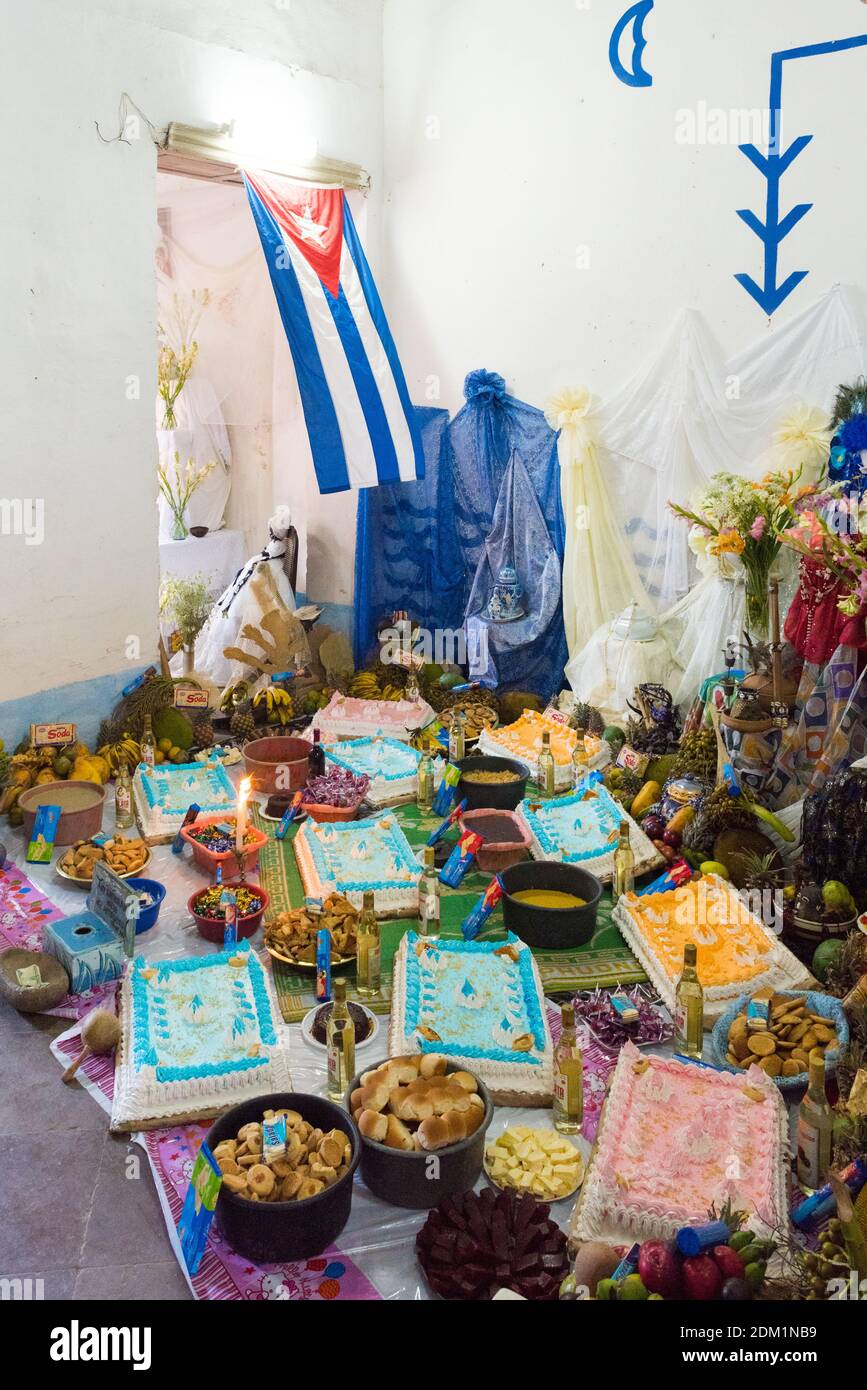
(179,529)
(758,612)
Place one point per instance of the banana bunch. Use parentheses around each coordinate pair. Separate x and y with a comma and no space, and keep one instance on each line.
(125,750)
(235,694)
(276,703)
(365,686)
(392,692)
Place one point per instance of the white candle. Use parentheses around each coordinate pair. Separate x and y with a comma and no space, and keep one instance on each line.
(241,818)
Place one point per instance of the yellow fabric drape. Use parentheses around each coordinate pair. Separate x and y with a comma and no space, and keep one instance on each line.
(600,577)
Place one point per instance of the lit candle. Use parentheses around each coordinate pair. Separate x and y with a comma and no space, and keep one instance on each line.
(241,818)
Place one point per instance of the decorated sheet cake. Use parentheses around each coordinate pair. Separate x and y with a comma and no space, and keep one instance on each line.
(355,857)
(583,828)
(164,794)
(523,740)
(736,953)
(677,1138)
(392,767)
(480,1004)
(347,717)
(198,1035)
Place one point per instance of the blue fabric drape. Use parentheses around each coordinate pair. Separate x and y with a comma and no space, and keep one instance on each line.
(491,428)
(406,552)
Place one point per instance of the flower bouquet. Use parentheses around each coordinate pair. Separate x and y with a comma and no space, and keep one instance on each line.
(178,349)
(178,490)
(739,521)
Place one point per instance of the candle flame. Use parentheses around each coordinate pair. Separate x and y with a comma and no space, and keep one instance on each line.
(244,790)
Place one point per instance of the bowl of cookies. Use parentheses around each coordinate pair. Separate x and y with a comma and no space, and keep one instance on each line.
(778,1031)
(290,937)
(410,1110)
(291,1202)
(126,856)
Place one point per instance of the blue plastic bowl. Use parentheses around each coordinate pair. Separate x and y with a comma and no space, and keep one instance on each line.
(148,915)
(824,1004)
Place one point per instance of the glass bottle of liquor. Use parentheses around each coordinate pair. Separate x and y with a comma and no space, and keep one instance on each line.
(429,896)
(815,1122)
(369,970)
(123,812)
(340,1039)
(316,756)
(425,794)
(457,737)
(412,691)
(568,1100)
(545,769)
(148,743)
(579,762)
(689,1008)
(624,864)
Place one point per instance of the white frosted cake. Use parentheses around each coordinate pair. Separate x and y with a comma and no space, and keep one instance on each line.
(392,767)
(735,952)
(347,717)
(583,828)
(675,1139)
(164,794)
(198,1035)
(355,857)
(480,1004)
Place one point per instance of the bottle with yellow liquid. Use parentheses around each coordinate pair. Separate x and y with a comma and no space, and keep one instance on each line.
(457,737)
(425,793)
(689,1008)
(624,864)
(340,1041)
(545,769)
(815,1124)
(429,896)
(124,816)
(568,1099)
(369,969)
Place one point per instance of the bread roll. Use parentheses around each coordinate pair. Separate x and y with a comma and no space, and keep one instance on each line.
(432,1064)
(397,1135)
(373,1125)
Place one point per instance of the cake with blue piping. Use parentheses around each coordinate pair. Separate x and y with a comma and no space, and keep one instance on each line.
(198,1035)
(583,828)
(391,766)
(480,1004)
(356,857)
(164,794)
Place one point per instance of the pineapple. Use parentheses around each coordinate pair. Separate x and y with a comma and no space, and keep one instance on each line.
(242,724)
(586,717)
(204,732)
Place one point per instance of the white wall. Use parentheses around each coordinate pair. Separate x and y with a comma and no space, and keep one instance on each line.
(78,291)
(509,143)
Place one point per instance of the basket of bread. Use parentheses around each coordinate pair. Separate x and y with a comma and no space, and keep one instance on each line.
(410,1110)
(778,1031)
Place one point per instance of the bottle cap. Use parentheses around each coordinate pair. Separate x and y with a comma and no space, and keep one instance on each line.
(338,991)
(567,1015)
(367,900)
(689,953)
(546,739)
(624,827)
(429,856)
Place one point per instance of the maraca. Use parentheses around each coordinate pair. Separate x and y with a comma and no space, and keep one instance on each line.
(100,1033)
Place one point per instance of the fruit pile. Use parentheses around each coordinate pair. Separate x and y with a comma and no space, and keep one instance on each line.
(731,1271)
(273,705)
(36,767)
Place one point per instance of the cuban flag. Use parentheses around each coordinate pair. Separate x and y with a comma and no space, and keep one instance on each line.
(356,406)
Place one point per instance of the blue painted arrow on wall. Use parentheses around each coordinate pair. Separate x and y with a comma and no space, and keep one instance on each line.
(770,294)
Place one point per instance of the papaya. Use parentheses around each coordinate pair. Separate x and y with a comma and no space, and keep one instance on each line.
(681,819)
(644,800)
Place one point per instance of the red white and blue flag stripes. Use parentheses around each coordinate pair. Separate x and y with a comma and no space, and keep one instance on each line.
(356,405)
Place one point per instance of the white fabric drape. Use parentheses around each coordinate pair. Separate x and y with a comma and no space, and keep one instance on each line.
(599,574)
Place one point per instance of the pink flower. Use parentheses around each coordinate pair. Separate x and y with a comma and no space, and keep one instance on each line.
(757,530)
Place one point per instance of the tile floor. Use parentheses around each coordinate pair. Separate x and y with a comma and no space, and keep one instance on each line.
(80,1208)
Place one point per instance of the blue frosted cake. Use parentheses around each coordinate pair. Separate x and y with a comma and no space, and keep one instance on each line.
(164,794)
(480,1004)
(355,857)
(583,828)
(392,766)
(197,1035)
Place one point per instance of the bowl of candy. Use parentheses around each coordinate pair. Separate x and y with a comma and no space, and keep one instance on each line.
(618,1016)
(335,795)
(209,910)
(212,840)
(151,897)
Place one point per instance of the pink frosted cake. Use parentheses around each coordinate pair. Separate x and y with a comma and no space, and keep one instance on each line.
(676,1138)
(346,717)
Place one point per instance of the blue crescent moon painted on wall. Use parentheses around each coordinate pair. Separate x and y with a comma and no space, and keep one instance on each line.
(636,75)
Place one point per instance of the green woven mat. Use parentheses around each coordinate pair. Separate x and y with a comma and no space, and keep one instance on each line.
(603,960)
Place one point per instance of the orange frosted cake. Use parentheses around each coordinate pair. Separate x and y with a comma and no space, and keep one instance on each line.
(674,1140)
(523,740)
(736,954)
